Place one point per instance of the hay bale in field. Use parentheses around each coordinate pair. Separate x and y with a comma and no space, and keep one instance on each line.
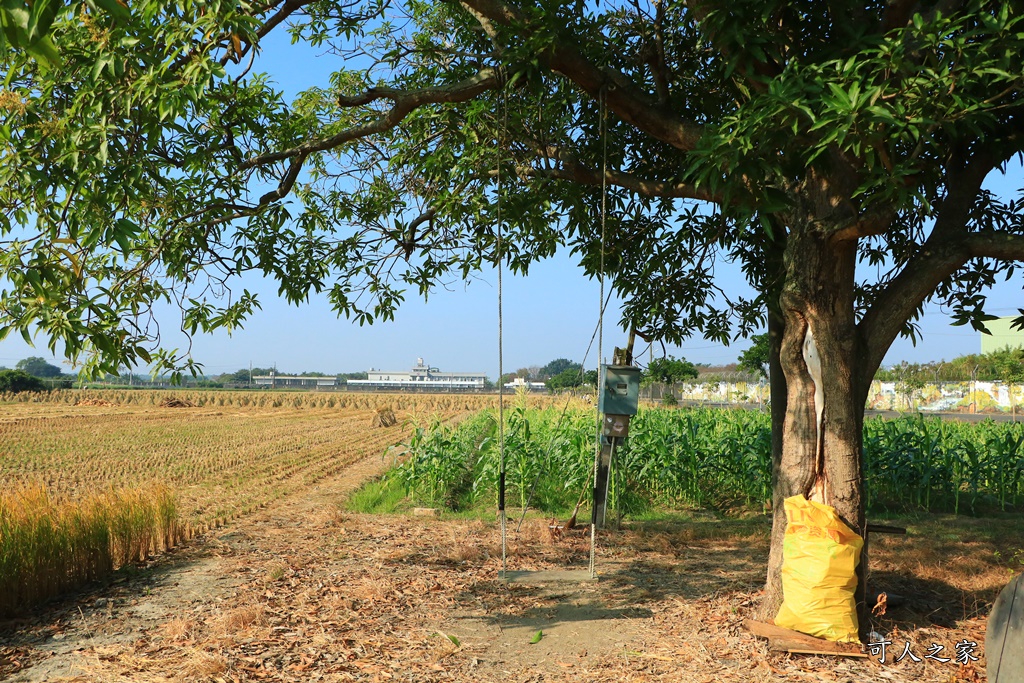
(94,402)
(174,402)
(384,417)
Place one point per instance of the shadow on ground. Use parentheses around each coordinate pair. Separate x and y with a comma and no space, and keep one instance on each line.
(927,602)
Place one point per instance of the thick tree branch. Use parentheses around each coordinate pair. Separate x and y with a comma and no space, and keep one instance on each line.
(485,24)
(622,96)
(286,184)
(659,67)
(405,102)
(873,222)
(919,279)
(942,254)
(995,244)
(887,316)
(630,103)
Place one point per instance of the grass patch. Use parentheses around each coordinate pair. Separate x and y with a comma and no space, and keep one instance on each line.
(380,497)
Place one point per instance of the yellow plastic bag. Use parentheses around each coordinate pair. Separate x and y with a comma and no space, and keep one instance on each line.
(820,554)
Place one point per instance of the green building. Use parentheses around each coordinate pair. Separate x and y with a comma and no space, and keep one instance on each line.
(1002,335)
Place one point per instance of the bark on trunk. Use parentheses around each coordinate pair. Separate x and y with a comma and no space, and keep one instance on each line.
(821,460)
(776,386)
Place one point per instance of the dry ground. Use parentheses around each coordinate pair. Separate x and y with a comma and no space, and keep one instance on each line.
(302,591)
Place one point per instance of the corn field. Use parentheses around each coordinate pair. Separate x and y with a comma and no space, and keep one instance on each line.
(931,464)
(457,467)
(705,458)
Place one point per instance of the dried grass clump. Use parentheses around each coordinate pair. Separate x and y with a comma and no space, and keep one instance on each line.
(179,629)
(239,619)
(204,664)
(98,402)
(384,417)
(175,402)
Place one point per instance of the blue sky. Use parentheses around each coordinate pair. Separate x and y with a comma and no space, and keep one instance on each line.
(550,314)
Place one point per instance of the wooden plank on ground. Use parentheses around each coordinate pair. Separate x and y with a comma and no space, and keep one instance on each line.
(784,640)
(825,647)
(766,630)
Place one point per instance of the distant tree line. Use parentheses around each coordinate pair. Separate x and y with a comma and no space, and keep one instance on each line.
(15,381)
(33,374)
(38,367)
(560,373)
(1005,365)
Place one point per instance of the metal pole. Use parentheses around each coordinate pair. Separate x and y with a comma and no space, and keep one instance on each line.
(602,481)
(501,362)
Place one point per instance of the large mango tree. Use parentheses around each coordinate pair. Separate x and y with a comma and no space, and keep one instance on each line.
(838,151)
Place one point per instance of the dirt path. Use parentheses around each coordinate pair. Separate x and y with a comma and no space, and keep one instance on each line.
(302,591)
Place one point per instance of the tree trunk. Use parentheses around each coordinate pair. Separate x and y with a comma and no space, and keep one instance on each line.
(820,449)
(776,387)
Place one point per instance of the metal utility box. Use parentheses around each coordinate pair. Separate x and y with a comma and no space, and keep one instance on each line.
(619,390)
(615,425)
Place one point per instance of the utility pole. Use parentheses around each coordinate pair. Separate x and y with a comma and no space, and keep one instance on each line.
(650,360)
(250,374)
(974,390)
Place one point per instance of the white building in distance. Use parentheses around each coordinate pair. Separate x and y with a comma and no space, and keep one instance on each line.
(420,378)
(520,383)
(276,381)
